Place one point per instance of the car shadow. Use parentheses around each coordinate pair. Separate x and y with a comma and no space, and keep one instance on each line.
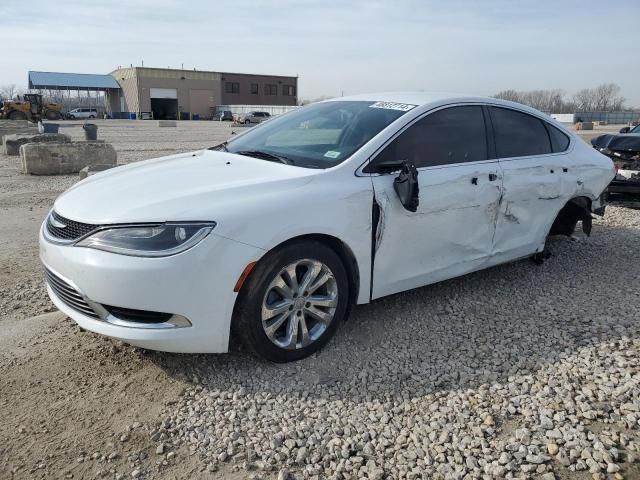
(478,329)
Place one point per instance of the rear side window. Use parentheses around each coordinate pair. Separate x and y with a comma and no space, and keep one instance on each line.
(559,141)
(448,136)
(518,134)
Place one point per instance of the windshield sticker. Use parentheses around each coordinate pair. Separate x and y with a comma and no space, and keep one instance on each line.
(403,107)
(332,154)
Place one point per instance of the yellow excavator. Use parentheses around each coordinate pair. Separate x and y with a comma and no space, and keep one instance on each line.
(30,107)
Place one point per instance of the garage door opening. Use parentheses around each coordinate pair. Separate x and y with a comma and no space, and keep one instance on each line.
(164,108)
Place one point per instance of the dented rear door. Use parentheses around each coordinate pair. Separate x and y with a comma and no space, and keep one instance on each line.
(535,183)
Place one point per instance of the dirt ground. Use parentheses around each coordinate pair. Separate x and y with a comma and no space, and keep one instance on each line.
(67,396)
(78,405)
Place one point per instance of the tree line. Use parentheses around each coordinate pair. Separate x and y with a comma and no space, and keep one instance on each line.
(603,98)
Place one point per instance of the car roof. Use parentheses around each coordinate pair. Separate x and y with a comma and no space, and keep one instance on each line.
(428,98)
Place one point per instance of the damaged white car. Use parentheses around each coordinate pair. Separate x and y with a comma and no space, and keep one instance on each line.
(277,233)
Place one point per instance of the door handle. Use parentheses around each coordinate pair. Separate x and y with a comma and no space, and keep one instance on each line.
(474,180)
(493,177)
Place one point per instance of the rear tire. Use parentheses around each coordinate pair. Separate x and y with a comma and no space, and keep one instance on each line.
(247,122)
(283,320)
(17,116)
(52,115)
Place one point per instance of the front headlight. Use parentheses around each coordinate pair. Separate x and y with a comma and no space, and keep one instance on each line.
(159,240)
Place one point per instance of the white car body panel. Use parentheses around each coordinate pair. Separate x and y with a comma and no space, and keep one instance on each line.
(257,205)
(455,220)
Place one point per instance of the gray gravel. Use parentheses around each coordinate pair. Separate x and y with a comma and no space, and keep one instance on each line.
(516,372)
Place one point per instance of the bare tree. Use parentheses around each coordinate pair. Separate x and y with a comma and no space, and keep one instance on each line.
(606,97)
(8,92)
(510,95)
(603,98)
(584,99)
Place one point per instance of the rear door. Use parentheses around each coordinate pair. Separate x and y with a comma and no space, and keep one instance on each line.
(538,181)
(452,230)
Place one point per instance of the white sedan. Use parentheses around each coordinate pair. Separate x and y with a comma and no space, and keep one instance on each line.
(277,233)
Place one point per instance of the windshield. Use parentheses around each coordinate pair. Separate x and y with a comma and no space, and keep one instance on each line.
(317,136)
(636,129)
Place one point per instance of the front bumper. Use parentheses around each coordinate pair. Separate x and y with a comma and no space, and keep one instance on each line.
(195,287)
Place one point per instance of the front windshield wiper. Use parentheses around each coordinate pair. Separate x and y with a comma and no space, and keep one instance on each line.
(266,156)
(222,147)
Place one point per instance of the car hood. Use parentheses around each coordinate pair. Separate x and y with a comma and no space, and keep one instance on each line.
(193,186)
(628,142)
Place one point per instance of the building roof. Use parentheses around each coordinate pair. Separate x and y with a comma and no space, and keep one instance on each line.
(72,81)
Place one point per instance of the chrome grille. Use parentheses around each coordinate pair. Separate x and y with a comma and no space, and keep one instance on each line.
(68,295)
(70,231)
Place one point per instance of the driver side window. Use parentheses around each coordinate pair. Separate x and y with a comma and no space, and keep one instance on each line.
(448,136)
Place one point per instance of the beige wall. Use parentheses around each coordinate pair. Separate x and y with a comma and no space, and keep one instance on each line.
(202,102)
(129,89)
(183,87)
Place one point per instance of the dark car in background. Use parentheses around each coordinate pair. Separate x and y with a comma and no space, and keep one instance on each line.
(226,116)
(624,149)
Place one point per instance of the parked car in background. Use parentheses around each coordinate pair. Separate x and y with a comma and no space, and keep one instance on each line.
(82,113)
(254,117)
(624,149)
(280,230)
(226,116)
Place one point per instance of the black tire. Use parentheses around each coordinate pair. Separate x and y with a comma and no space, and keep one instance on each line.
(247,121)
(92,116)
(72,117)
(247,321)
(15,115)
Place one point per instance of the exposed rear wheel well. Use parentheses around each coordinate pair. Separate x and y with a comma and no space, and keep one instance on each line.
(578,208)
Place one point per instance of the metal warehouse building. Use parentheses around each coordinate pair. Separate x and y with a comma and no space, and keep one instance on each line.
(165,93)
(169,93)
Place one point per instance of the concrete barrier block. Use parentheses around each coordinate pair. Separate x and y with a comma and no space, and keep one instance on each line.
(167,123)
(584,126)
(93,169)
(12,143)
(64,158)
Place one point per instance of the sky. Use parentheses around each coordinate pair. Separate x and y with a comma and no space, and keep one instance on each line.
(337,47)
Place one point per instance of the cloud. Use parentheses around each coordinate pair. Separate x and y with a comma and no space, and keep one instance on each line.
(354,46)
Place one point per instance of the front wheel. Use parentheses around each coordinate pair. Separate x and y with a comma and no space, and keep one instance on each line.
(16,115)
(247,121)
(293,302)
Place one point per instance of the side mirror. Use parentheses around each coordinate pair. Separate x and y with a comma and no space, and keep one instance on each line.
(625,129)
(386,166)
(406,186)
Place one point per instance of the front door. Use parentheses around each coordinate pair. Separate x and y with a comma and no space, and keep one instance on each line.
(451,232)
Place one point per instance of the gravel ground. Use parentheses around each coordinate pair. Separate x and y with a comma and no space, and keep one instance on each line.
(516,372)
(519,371)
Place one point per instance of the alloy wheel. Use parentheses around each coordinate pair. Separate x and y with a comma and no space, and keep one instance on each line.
(299,304)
